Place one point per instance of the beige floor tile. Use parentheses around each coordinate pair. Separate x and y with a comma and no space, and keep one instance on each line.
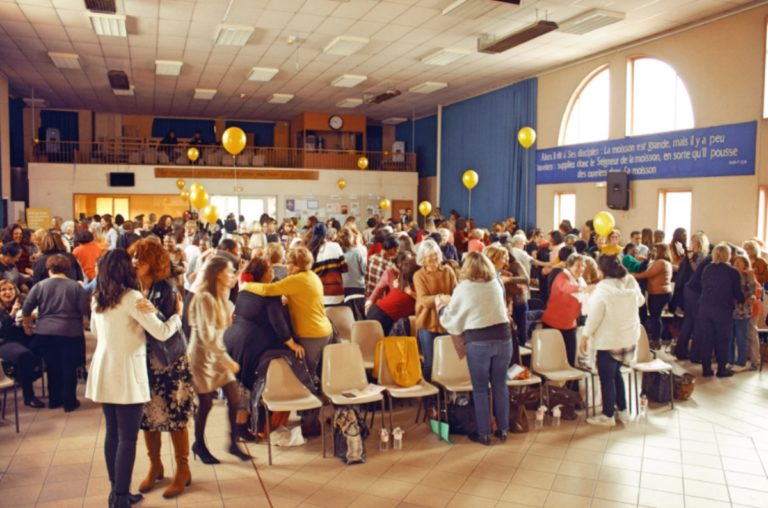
(528,496)
(541,464)
(662,467)
(428,496)
(371,501)
(616,492)
(62,503)
(706,490)
(480,487)
(698,502)
(706,474)
(298,490)
(20,496)
(259,501)
(490,471)
(620,476)
(390,489)
(747,481)
(240,488)
(21,477)
(30,461)
(665,454)
(604,503)
(747,497)
(659,499)
(332,497)
(559,500)
(547,450)
(503,457)
(535,479)
(579,470)
(573,485)
(467,501)
(442,480)
(406,473)
(742,466)
(661,482)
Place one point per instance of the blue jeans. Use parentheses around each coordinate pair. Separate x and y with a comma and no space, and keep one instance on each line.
(427,346)
(488,362)
(611,383)
(739,341)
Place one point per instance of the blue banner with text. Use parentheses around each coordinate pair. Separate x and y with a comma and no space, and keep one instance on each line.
(725,150)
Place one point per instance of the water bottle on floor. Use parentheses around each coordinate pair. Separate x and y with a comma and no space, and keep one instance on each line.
(556,414)
(643,406)
(384,440)
(397,438)
(540,416)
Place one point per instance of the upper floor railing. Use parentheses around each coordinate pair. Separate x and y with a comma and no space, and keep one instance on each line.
(153,153)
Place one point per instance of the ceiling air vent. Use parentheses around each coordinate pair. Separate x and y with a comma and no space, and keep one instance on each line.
(377,99)
(590,20)
(107,6)
(118,80)
(473,9)
(488,44)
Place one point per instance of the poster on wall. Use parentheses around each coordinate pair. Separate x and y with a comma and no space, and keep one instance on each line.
(39,218)
(333,208)
(354,208)
(725,150)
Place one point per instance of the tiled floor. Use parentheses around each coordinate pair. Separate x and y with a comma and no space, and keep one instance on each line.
(711,451)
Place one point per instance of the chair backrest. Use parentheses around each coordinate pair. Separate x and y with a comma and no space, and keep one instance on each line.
(282,384)
(446,364)
(342,318)
(548,351)
(412,323)
(343,368)
(366,334)
(643,348)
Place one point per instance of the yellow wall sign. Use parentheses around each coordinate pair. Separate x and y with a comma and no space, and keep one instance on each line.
(39,218)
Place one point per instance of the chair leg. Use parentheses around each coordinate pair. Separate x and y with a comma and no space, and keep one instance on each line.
(42,376)
(591,381)
(322,429)
(5,403)
(16,407)
(383,410)
(637,392)
(418,409)
(269,434)
(391,404)
(671,389)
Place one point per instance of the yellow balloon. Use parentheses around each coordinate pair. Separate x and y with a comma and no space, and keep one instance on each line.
(193,154)
(184,195)
(233,140)
(199,198)
(362,163)
(180,183)
(384,204)
(526,137)
(603,223)
(211,214)
(341,183)
(425,208)
(470,179)
(197,186)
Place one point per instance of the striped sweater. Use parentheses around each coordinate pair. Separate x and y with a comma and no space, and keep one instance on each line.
(329,265)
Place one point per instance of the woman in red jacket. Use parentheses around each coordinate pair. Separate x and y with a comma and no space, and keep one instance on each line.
(564,305)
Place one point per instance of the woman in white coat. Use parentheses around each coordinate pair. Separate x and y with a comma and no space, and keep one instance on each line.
(612,330)
(118,377)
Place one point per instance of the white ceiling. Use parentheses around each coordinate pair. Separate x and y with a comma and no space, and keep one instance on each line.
(401,32)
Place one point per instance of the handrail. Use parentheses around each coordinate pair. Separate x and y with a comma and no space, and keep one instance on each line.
(151,152)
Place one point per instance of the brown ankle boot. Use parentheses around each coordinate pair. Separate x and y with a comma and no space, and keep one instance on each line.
(153,439)
(183,476)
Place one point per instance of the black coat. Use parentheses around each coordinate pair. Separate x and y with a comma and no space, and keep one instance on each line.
(720,290)
(162,294)
(39,272)
(261,323)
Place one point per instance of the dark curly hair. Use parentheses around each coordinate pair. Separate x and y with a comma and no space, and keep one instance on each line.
(155,255)
(116,276)
(256,269)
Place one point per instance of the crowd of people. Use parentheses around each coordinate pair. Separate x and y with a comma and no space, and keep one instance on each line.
(182,310)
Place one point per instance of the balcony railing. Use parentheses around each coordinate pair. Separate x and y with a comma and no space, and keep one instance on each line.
(143,152)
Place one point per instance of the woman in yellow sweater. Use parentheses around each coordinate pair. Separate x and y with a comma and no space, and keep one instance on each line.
(304,291)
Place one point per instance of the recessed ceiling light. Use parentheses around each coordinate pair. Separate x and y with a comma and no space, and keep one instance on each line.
(119,91)
(168,67)
(262,73)
(350,102)
(394,120)
(280,98)
(204,94)
(445,56)
(233,35)
(590,20)
(348,80)
(345,45)
(110,25)
(428,87)
(65,60)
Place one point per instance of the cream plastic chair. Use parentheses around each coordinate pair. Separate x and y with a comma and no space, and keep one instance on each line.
(419,391)
(643,365)
(284,392)
(342,372)
(449,372)
(550,361)
(366,334)
(625,370)
(342,318)
(7,384)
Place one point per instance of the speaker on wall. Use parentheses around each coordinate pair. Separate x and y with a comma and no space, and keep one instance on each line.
(121,180)
(618,190)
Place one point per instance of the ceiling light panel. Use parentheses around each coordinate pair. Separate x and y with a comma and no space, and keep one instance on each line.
(65,60)
(428,87)
(345,45)
(262,73)
(590,20)
(204,94)
(128,92)
(168,67)
(348,80)
(233,35)
(350,102)
(394,120)
(445,56)
(280,98)
(108,25)
(468,9)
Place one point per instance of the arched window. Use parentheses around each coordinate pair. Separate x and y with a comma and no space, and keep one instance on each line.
(658,100)
(588,114)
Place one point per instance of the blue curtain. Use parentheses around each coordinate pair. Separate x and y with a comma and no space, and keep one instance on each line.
(481,134)
(424,144)
(263,132)
(185,128)
(373,137)
(17,132)
(65,121)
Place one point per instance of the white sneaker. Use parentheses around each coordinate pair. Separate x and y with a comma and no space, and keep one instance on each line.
(739,368)
(624,416)
(605,421)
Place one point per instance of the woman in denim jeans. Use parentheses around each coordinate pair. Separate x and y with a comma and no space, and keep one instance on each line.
(737,350)
(478,311)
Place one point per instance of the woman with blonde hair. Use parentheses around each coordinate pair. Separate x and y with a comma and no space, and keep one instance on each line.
(760,269)
(477,311)
(212,368)
(742,314)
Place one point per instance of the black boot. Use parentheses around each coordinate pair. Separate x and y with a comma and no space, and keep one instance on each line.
(200,450)
(235,450)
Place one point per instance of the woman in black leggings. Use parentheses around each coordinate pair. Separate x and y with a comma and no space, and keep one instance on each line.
(118,376)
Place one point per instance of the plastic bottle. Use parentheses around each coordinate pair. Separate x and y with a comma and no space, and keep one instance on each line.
(397,438)
(643,406)
(556,415)
(540,416)
(384,440)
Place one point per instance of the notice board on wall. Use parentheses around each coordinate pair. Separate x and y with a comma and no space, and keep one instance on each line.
(39,218)
(337,206)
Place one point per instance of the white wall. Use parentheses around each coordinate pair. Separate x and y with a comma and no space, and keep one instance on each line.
(722,65)
(53,185)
